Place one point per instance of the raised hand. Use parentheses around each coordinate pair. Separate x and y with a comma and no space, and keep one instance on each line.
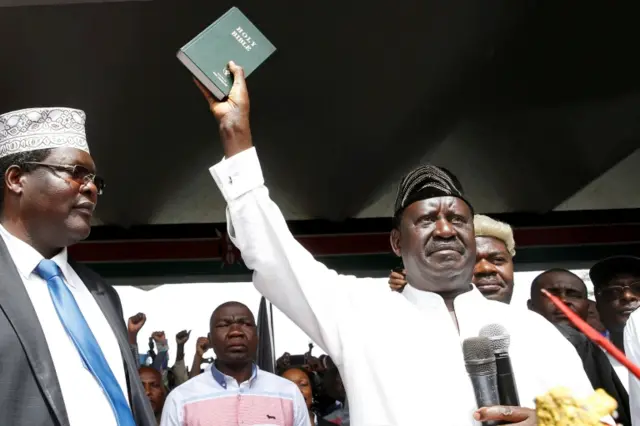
(159,337)
(397,281)
(202,346)
(136,322)
(182,337)
(232,113)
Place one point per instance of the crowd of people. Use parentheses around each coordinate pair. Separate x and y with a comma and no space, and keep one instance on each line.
(233,339)
(616,287)
(68,357)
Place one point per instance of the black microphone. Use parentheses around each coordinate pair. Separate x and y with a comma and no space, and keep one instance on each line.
(500,340)
(481,366)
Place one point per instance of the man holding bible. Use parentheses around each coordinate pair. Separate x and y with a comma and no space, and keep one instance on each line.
(364,327)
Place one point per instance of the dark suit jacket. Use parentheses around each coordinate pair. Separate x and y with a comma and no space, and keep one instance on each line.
(30,393)
(599,370)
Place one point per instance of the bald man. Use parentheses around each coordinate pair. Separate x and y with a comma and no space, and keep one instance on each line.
(234,390)
(570,288)
(567,286)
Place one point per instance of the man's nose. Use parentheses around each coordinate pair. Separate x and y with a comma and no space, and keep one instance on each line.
(444,229)
(484,267)
(628,295)
(562,295)
(90,190)
(235,331)
(567,301)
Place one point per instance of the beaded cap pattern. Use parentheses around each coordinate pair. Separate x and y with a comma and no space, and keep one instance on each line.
(42,128)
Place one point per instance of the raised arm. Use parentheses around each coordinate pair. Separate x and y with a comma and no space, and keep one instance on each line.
(310,294)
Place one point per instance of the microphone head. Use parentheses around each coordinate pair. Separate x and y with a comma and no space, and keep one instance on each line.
(498,336)
(478,356)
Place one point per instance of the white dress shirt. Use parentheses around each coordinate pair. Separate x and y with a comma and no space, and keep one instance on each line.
(621,371)
(399,355)
(632,350)
(85,401)
(215,399)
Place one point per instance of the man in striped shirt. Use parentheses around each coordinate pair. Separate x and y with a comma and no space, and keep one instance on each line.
(234,391)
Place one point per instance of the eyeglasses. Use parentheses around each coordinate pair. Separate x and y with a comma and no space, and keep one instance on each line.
(616,292)
(79,174)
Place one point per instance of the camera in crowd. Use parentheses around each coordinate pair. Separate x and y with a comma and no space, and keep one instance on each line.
(326,383)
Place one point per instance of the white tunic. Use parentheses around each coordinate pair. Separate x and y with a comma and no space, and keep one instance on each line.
(632,350)
(399,355)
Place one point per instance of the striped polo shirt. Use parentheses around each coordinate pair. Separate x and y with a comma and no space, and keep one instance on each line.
(215,399)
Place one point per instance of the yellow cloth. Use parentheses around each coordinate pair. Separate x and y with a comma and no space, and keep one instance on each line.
(559,408)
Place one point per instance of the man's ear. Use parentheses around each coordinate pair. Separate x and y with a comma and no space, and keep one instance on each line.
(530,305)
(394,239)
(13,179)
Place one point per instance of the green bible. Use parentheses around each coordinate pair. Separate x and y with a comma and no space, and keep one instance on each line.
(231,38)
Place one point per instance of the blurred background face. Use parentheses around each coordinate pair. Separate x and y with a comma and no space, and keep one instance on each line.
(617,299)
(568,288)
(152,383)
(301,379)
(593,317)
(493,271)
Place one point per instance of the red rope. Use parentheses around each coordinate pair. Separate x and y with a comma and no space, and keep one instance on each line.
(592,334)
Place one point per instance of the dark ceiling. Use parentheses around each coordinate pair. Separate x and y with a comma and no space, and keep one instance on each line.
(528,102)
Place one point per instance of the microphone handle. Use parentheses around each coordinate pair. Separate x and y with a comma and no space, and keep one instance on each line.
(506,381)
(485,388)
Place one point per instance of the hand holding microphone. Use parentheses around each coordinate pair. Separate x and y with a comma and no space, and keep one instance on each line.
(481,366)
(505,415)
(489,367)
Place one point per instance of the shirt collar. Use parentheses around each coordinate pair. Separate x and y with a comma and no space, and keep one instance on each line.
(428,300)
(26,258)
(221,378)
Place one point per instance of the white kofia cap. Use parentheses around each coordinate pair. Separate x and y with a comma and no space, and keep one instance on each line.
(42,128)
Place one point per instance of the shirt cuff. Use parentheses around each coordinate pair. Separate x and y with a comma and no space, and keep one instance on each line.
(238,175)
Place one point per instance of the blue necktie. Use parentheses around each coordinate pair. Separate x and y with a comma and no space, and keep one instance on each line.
(86,344)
